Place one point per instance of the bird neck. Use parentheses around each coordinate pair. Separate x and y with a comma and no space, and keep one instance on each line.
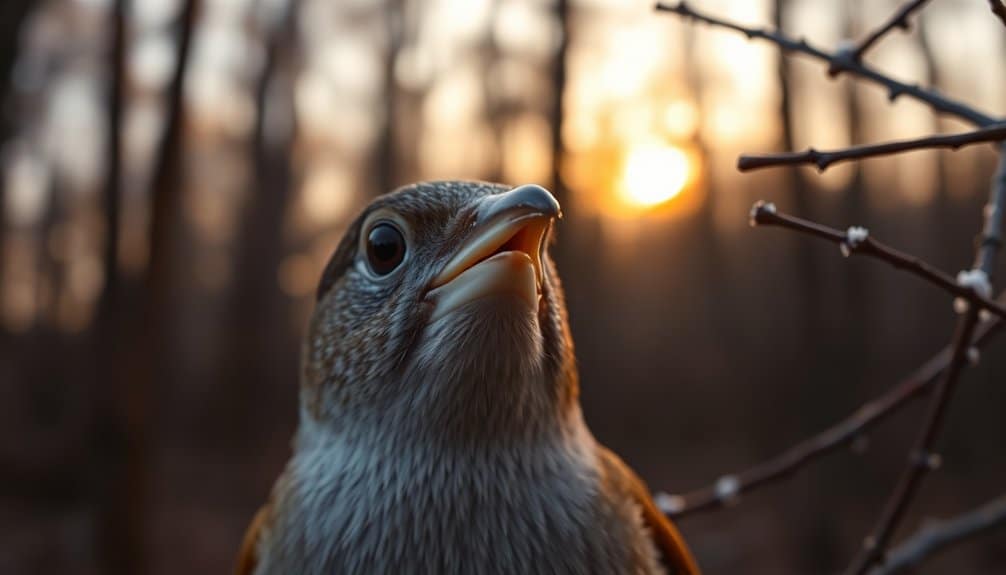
(452,414)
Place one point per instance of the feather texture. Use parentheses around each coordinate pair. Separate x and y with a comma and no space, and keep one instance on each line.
(247,559)
(449,444)
(676,556)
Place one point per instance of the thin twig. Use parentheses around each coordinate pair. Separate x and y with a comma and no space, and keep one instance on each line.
(990,240)
(999,10)
(939,535)
(915,386)
(825,158)
(922,459)
(898,20)
(764,214)
(840,62)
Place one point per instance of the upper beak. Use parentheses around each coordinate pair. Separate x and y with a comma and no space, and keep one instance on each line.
(504,252)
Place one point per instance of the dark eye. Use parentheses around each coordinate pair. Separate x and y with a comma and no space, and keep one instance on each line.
(385,248)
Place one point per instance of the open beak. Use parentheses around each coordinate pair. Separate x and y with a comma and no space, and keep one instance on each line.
(503,254)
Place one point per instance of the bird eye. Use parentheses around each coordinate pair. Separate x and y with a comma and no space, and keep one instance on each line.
(385,248)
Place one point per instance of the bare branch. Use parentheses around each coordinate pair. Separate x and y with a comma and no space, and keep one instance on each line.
(992,230)
(999,10)
(898,20)
(937,536)
(764,214)
(922,459)
(915,386)
(872,552)
(972,286)
(840,62)
(825,158)
(729,487)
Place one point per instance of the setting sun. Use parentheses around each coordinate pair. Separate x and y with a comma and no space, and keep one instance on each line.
(653,175)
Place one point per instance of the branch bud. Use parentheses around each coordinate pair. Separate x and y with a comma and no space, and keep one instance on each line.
(760,207)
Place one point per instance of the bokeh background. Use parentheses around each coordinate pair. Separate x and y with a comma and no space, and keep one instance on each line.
(168,202)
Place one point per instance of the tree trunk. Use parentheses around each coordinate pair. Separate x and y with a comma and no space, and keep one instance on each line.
(855,352)
(109,431)
(144,365)
(558,90)
(385,155)
(250,369)
(13,15)
(797,186)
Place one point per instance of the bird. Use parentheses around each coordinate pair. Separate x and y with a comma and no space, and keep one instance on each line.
(440,428)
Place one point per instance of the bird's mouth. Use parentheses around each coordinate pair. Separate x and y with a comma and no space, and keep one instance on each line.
(504,254)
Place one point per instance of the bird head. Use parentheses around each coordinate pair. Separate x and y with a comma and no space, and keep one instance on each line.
(441,305)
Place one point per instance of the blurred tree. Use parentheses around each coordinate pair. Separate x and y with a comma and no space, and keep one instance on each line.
(147,361)
(941,201)
(386,152)
(109,432)
(13,14)
(800,190)
(855,345)
(255,315)
(493,98)
(558,92)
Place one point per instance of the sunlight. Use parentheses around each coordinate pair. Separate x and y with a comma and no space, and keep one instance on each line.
(653,175)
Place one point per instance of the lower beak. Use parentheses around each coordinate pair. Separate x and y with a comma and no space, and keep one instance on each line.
(504,253)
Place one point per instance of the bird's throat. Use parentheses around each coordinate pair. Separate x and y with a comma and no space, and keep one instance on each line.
(509,274)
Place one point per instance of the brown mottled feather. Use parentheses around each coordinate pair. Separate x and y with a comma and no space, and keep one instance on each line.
(673,550)
(248,556)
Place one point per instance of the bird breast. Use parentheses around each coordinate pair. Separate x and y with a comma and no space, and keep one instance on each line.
(354,507)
